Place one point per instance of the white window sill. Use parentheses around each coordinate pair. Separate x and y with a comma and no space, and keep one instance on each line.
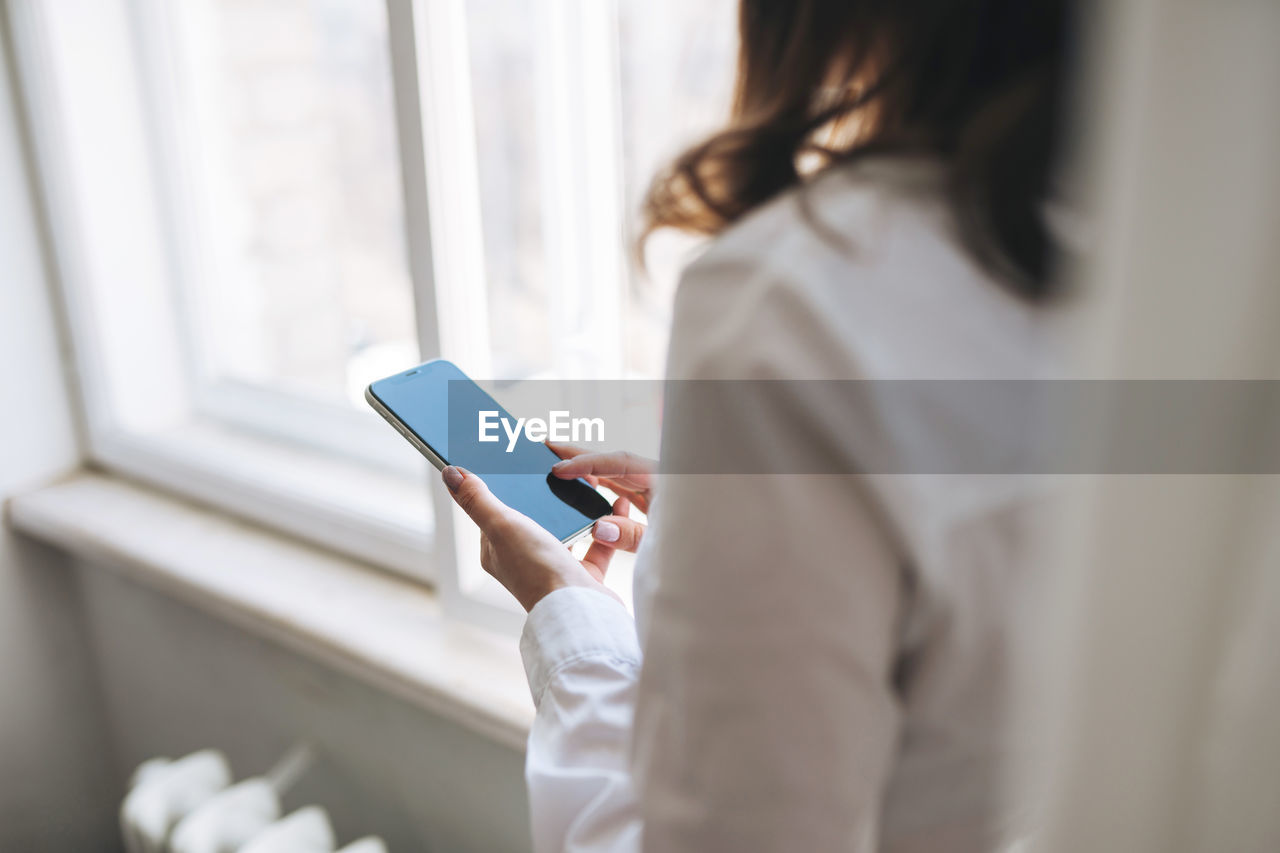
(387,632)
(346,506)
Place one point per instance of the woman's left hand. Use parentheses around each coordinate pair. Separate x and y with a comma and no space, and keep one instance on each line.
(522,556)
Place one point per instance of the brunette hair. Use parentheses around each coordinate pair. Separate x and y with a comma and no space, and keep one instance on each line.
(977,84)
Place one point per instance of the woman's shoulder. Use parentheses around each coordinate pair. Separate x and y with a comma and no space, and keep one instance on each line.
(842,216)
(858,274)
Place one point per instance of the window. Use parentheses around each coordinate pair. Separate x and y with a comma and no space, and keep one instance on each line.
(259,206)
(292,196)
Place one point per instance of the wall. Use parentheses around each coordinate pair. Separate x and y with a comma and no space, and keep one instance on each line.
(52,737)
(1166,736)
(177,680)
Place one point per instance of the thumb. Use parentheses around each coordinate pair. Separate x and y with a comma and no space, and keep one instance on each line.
(618,531)
(471,493)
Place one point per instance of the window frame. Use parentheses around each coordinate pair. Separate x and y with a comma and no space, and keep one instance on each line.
(238,441)
(367,511)
(289,417)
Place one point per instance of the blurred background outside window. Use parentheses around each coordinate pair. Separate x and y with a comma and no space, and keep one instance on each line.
(292,192)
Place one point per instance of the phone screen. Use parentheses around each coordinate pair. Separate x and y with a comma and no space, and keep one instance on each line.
(440,405)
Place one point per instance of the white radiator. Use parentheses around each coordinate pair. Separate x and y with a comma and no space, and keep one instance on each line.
(190,805)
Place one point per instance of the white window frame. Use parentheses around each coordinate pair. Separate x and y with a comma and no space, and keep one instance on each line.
(160,34)
(84,168)
(581,187)
(353,505)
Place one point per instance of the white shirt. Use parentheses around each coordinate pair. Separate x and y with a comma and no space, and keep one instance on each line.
(817,663)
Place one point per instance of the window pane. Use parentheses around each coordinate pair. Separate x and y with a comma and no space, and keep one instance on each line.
(535,70)
(677,65)
(501,42)
(297,194)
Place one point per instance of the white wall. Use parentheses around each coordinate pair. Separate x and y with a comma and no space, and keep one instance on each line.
(1166,737)
(177,680)
(53,752)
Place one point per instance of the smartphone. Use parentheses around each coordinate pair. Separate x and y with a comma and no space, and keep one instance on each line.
(436,407)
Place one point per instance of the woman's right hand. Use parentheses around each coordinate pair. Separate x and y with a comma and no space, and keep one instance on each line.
(627,475)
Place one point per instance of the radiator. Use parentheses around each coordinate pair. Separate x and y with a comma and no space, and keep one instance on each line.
(192,805)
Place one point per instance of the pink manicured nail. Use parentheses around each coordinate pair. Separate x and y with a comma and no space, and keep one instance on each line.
(452,478)
(607,531)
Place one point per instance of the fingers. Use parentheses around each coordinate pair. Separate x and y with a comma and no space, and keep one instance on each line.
(627,468)
(470,493)
(565,451)
(617,531)
(601,551)
(622,534)
(568,451)
(597,558)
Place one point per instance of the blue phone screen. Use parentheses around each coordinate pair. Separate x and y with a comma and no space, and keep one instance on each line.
(441,406)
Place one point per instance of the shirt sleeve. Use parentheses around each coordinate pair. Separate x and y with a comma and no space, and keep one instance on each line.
(582,661)
(766,716)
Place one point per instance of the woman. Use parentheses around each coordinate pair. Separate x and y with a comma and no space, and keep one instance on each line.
(818,662)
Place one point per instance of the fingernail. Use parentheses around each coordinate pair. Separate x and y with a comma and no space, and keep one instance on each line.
(607,531)
(560,464)
(452,478)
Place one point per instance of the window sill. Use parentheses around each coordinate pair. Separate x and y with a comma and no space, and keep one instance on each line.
(387,632)
(341,505)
